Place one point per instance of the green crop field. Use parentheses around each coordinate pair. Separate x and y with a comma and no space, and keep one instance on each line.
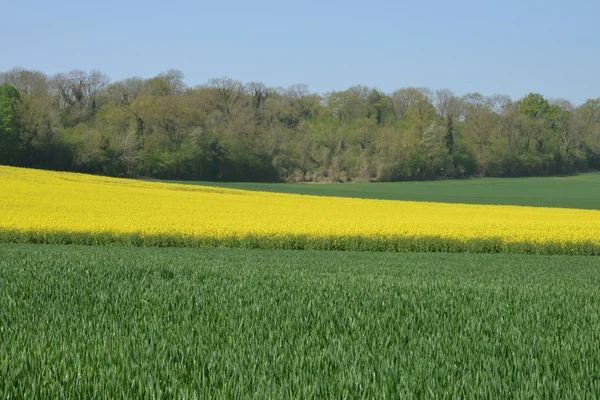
(107,322)
(581,191)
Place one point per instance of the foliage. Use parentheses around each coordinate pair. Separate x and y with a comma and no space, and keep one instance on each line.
(9,124)
(225,130)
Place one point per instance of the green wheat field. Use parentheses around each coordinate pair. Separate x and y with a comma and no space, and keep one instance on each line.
(89,322)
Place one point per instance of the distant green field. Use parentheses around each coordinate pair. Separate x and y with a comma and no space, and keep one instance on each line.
(582,191)
(111,322)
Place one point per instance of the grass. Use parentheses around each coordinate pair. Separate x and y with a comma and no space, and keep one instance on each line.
(581,191)
(87,322)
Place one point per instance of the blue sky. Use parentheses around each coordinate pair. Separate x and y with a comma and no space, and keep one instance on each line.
(509,47)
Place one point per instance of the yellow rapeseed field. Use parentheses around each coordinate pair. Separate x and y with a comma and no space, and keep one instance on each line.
(59,207)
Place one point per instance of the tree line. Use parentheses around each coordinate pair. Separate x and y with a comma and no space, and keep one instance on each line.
(227,130)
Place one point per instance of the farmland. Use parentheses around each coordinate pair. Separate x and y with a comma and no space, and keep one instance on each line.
(580,191)
(300,200)
(242,313)
(67,208)
(86,321)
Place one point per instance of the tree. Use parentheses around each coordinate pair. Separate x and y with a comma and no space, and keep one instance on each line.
(124,92)
(405,98)
(420,111)
(77,94)
(479,126)
(299,92)
(499,103)
(32,83)
(259,93)
(533,105)
(227,93)
(535,108)
(168,83)
(449,137)
(173,117)
(349,104)
(379,106)
(449,108)
(229,130)
(568,126)
(9,124)
(589,112)
(443,100)
(435,152)
(512,127)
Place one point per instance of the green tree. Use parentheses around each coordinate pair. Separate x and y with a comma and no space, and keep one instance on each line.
(479,127)
(420,111)
(9,124)
(379,106)
(533,105)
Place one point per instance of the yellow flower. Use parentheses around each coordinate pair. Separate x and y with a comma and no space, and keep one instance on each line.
(69,203)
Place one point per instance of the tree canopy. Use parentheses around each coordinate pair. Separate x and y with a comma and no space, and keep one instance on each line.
(9,124)
(229,130)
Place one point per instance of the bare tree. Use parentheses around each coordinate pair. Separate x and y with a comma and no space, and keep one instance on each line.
(499,103)
(259,92)
(78,89)
(228,92)
(443,98)
(33,83)
(404,98)
(168,83)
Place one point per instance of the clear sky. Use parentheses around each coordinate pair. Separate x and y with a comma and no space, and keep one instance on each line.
(510,47)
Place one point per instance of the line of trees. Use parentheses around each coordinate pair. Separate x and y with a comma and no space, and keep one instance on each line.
(227,130)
